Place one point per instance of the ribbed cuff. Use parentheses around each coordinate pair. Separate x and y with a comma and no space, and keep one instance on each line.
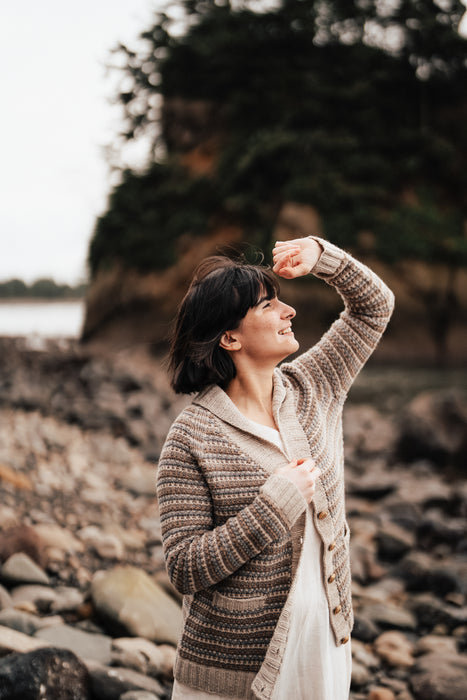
(330,258)
(286,497)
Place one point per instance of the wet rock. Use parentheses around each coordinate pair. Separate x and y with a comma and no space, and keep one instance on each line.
(44,673)
(129,600)
(83,644)
(20,568)
(110,683)
(437,677)
(395,649)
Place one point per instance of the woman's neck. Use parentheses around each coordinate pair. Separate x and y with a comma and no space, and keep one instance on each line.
(252,395)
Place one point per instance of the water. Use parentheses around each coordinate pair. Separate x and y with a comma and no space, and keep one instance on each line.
(46,319)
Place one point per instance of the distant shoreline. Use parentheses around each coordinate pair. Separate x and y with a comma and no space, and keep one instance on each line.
(40,300)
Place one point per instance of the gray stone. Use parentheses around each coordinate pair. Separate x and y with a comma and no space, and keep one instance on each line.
(129,600)
(13,641)
(20,568)
(66,599)
(393,541)
(138,695)
(83,644)
(109,683)
(44,673)
(5,599)
(24,622)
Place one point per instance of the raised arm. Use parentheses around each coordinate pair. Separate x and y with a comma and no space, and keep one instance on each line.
(199,554)
(346,346)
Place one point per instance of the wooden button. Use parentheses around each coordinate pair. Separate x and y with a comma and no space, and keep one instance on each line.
(332,546)
(323,514)
(337,609)
(345,640)
(332,578)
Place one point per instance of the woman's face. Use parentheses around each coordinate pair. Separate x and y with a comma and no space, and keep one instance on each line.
(265,333)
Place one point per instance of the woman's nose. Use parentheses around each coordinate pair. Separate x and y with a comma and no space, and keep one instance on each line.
(288,311)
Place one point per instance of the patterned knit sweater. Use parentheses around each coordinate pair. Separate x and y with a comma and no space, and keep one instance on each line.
(232,528)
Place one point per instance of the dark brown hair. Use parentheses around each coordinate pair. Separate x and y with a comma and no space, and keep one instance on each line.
(220,294)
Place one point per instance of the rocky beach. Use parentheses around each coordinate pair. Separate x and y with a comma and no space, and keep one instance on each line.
(86,609)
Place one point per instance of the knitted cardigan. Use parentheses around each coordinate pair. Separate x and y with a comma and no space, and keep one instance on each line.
(232,529)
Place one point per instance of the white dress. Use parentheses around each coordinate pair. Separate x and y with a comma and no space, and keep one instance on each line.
(313,666)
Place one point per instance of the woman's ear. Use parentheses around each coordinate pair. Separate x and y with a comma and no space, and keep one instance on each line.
(229,342)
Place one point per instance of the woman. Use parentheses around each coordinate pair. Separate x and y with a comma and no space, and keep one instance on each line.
(250,480)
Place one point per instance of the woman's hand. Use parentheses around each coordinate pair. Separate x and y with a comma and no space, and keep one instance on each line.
(302,473)
(296,258)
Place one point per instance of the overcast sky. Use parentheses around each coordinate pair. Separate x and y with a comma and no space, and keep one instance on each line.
(55,121)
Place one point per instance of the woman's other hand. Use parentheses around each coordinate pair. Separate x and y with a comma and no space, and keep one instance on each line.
(302,473)
(295,258)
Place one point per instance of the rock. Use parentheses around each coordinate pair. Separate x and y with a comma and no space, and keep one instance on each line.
(66,599)
(22,539)
(381,694)
(434,426)
(8,518)
(129,600)
(431,612)
(364,629)
(360,675)
(390,616)
(393,542)
(20,568)
(362,654)
(16,479)
(13,641)
(44,673)
(437,677)
(366,430)
(138,695)
(139,654)
(83,644)
(26,622)
(33,598)
(109,683)
(421,572)
(435,529)
(167,668)
(5,599)
(140,480)
(107,545)
(434,644)
(394,648)
(58,537)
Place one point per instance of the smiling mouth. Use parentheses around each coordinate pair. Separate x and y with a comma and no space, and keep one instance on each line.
(285,331)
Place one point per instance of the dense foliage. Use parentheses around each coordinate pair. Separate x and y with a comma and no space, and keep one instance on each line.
(356,107)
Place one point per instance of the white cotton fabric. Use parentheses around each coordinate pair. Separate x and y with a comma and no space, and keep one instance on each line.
(313,666)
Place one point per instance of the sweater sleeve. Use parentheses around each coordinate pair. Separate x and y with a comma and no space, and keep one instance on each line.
(197,553)
(345,347)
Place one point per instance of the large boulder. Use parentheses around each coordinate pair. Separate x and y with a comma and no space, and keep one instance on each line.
(132,603)
(44,673)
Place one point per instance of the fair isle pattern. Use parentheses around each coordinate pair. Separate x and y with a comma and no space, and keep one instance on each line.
(232,529)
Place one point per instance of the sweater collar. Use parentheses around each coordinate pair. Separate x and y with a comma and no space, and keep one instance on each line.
(215,400)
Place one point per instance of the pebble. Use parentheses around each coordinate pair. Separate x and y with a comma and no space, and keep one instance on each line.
(83,644)
(394,648)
